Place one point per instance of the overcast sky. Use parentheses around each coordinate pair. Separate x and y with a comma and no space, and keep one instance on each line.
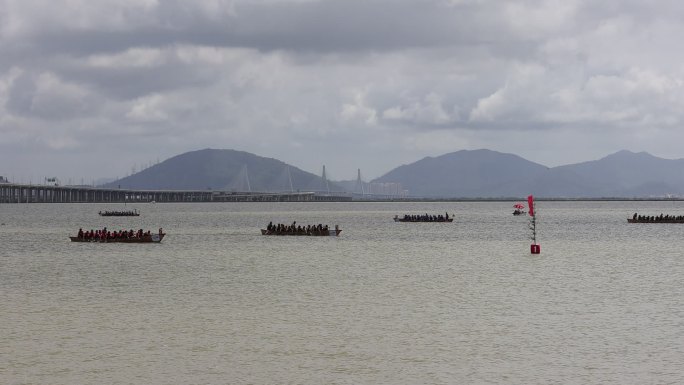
(96,88)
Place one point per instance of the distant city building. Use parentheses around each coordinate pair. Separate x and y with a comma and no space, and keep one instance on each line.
(3,179)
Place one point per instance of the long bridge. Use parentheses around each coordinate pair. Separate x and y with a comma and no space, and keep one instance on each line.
(23,193)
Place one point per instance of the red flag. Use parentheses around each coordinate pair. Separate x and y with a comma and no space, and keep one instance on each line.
(530,204)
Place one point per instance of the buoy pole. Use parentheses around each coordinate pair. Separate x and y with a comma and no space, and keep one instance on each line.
(534,247)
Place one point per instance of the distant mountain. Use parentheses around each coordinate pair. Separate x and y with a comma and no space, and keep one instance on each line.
(629,174)
(477,173)
(490,174)
(222,170)
(461,174)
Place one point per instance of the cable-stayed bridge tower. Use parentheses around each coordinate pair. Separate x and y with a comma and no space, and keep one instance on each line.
(360,187)
(325,186)
(243,180)
(289,178)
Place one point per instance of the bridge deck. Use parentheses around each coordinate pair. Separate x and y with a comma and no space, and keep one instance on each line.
(21,193)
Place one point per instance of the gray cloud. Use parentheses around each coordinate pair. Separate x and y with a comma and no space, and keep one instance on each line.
(100,86)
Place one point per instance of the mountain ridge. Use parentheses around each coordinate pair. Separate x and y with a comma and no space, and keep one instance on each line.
(479,173)
(621,174)
(221,169)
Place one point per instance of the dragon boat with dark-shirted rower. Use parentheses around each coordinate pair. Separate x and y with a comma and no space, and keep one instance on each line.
(424,218)
(315,233)
(656,220)
(146,238)
(128,213)
(636,218)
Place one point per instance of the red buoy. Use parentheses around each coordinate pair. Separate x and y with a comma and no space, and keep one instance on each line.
(535,249)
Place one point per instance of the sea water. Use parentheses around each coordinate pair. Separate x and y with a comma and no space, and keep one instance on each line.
(383,303)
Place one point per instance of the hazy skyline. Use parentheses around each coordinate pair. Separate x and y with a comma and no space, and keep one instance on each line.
(91,89)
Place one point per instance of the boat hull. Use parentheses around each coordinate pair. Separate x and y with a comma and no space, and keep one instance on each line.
(329,233)
(153,238)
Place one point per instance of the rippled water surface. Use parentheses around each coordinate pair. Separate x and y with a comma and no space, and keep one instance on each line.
(384,303)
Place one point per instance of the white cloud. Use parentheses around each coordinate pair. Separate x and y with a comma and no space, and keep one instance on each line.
(429,111)
(537,19)
(358,111)
(525,86)
(148,109)
(341,80)
(134,57)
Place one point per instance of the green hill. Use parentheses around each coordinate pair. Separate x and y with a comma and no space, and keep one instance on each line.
(221,170)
